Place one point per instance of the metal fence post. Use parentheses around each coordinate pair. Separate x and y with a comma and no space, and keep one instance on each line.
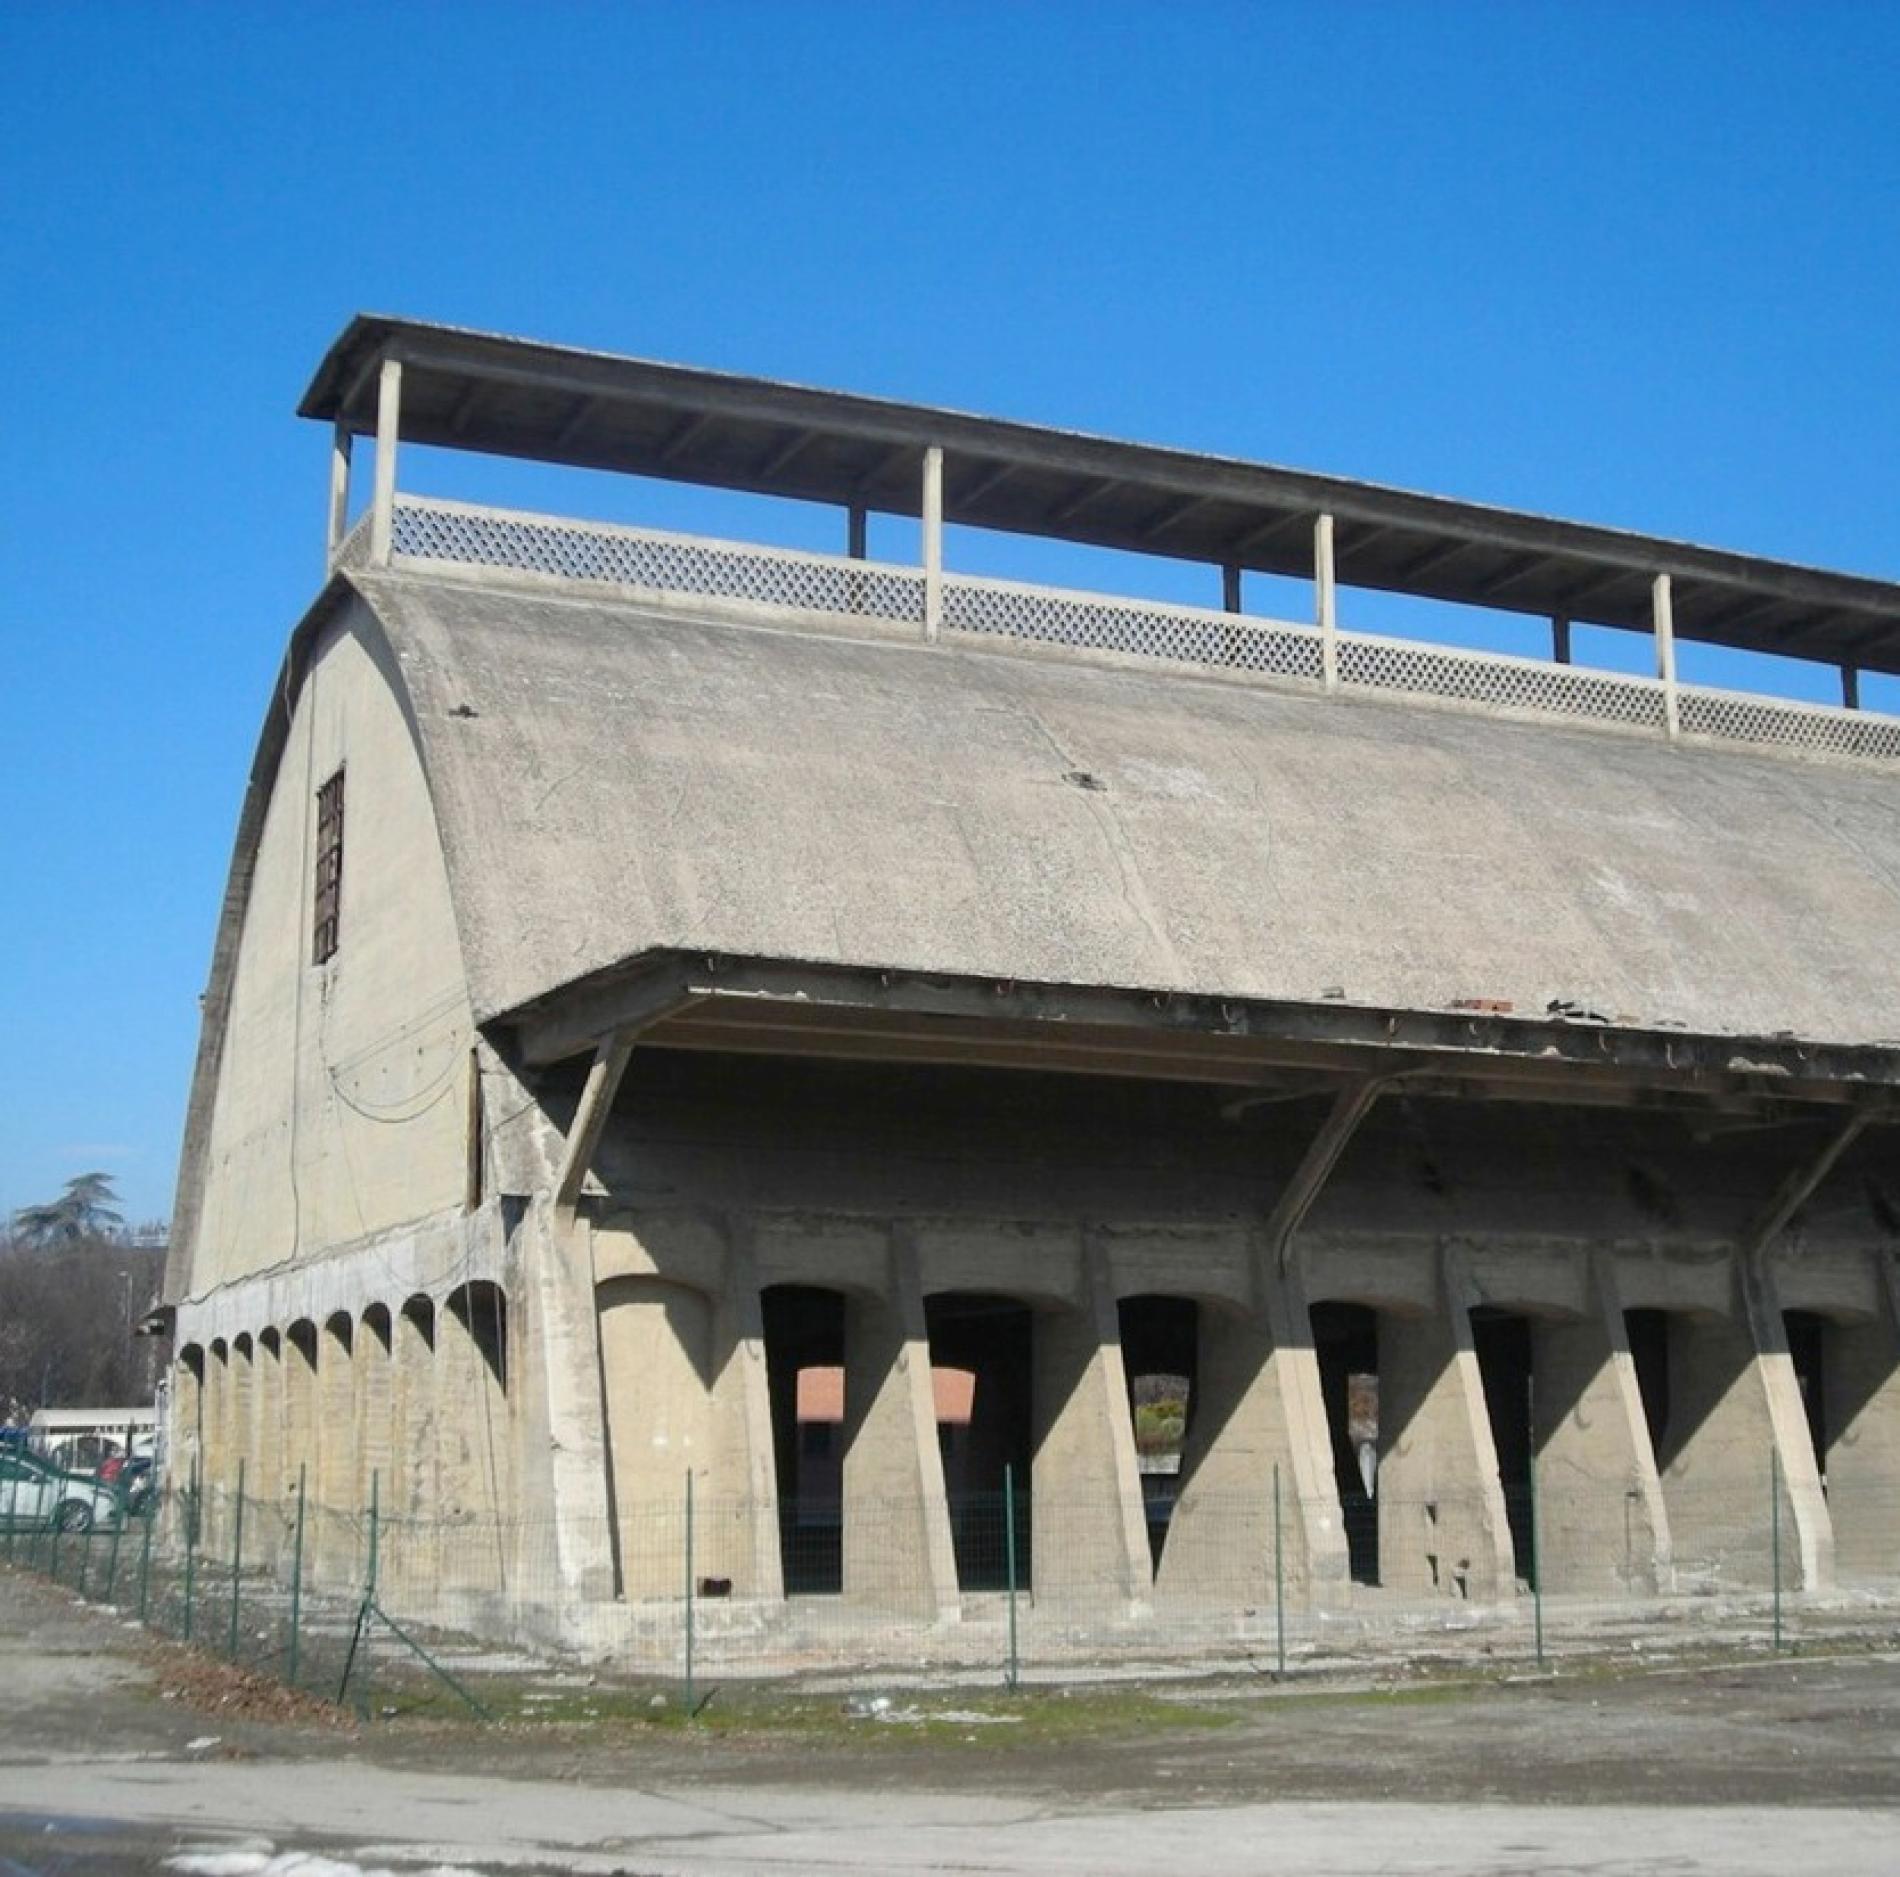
(1279,1578)
(689,1593)
(53,1569)
(85,1560)
(112,1555)
(1774,1533)
(237,1562)
(145,1560)
(296,1585)
(1014,1672)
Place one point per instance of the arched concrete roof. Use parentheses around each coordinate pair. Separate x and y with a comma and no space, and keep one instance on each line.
(612,779)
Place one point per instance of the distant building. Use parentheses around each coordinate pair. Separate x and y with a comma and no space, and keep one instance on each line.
(676,1002)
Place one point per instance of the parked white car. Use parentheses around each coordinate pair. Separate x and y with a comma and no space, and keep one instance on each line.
(35,1495)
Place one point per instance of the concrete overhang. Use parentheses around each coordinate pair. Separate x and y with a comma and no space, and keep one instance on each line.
(760,1006)
(513,397)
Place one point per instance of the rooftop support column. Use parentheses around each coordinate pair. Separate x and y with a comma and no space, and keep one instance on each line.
(855,519)
(1662,611)
(382,523)
(1560,640)
(1230,588)
(1325,602)
(340,443)
(1850,687)
(932,511)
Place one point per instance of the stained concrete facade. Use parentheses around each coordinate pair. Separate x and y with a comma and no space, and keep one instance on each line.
(722,993)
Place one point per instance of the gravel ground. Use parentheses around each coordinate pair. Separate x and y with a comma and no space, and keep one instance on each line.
(118,1753)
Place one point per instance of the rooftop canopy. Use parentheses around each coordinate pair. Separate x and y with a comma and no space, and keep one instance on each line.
(514,397)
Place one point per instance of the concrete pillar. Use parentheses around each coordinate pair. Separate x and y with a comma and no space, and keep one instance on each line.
(1442,1525)
(1663,615)
(743,1480)
(373,1409)
(656,1362)
(1326,602)
(1257,1408)
(243,1462)
(267,1443)
(334,1541)
(1862,1417)
(1090,1535)
(187,1415)
(471,1444)
(214,1447)
(302,1448)
(339,510)
(412,1554)
(932,512)
(1733,1402)
(1602,1528)
(383,488)
(897,1543)
(568,1493)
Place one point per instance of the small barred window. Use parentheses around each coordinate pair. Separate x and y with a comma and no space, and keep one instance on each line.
(329,903)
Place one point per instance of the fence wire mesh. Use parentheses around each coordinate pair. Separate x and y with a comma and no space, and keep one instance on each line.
(432,531)
(354,1606)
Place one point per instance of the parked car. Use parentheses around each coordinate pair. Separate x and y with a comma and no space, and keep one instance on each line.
(36,1495)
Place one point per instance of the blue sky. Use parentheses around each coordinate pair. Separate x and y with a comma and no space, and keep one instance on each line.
(1634,265)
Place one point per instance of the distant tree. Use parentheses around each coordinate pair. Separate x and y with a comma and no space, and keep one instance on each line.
(87,1209)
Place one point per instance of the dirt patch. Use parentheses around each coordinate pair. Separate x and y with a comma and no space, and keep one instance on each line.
(213,1687)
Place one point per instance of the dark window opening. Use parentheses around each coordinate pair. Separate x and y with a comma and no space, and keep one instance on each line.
(805,1380)
(991,1340)
(326,929)
(1160,1354)
(1346,1339)
(1504,1349)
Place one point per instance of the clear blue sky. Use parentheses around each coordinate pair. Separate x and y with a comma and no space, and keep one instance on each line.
(1635,265)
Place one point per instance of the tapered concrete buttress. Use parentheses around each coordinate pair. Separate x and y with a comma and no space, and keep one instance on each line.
(267,1442)
(1442,1525)
(683,1367)
(1258,1409)
(213,1446)
(375,1402)
(1091,1534)
(745,1471)
(568,1506)
(1862,1417)
(1736,1427)
(336,1522)
(898,1553)
(414,1498)
(1602,1527)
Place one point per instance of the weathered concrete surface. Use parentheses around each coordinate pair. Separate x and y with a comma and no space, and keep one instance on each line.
(1237,841)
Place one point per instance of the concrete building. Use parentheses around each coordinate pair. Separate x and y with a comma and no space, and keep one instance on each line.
(663,981)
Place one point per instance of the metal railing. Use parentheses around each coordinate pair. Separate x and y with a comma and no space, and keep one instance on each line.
(644,562)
